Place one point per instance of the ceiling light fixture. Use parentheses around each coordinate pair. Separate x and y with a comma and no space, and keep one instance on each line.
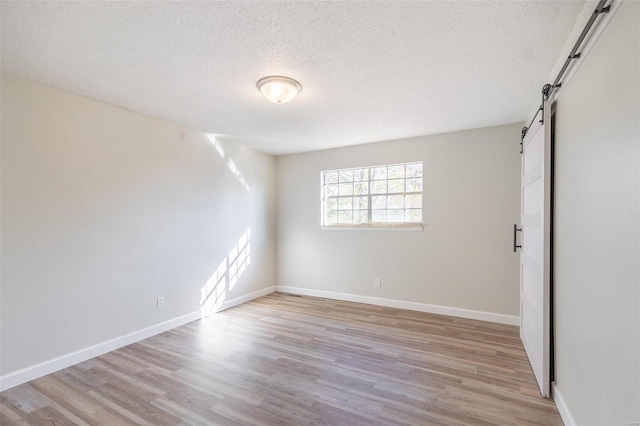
(279,89)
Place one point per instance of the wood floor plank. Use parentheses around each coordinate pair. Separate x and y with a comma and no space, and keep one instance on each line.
(12,416)
(81,404)
(284,360)
(54,415)
(26,398)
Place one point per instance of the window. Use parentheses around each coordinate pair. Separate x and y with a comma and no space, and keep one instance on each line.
(390,194)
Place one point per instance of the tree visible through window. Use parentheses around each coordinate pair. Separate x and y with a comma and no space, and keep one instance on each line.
(390,194)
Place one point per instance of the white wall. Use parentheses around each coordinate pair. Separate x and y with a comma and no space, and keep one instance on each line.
(104,209)
(597,230)
(462,259)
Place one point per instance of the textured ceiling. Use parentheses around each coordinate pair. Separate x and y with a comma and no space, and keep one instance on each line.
(370,71)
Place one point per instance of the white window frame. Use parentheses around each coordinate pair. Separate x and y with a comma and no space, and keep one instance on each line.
(389,226)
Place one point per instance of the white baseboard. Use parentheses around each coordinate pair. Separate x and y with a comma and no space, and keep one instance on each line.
(246,298)
(31,373)
(567,418)
(401,304)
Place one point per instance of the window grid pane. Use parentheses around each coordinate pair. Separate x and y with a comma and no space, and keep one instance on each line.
(390,194)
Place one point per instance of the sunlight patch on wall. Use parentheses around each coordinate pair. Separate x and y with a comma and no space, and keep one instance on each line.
(236,172)
(232,166)
(239,258)
(216,145)
(214,292)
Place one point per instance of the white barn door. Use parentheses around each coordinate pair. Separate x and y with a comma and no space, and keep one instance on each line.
(535,250)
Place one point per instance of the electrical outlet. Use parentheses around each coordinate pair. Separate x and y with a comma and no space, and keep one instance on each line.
(377,282)
(160,301)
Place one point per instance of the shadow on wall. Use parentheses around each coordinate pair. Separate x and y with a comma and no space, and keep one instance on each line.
(214,292)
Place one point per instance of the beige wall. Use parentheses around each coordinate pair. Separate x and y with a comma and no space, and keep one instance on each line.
(103,210)
(462,259)
(597,230)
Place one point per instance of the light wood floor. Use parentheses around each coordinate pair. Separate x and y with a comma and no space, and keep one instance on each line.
(289,360)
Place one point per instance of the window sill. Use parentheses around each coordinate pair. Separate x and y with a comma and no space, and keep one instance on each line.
(399,227)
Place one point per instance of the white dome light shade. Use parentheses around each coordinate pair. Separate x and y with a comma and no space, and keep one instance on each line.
(278,89)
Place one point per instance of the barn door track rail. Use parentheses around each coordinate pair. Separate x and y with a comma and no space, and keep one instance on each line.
(548,89)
